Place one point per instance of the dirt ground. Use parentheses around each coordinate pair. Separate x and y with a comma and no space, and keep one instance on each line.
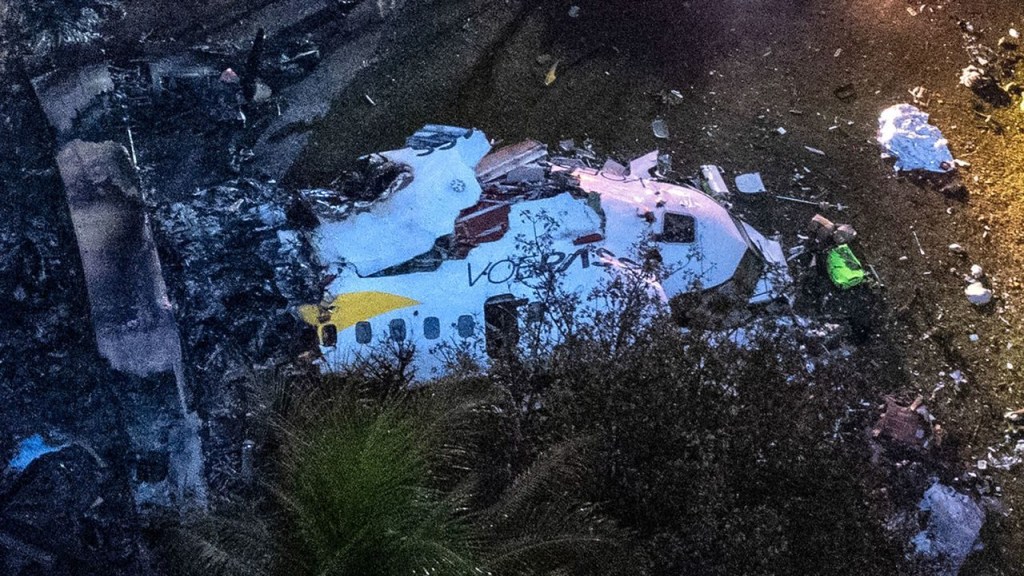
(746,68)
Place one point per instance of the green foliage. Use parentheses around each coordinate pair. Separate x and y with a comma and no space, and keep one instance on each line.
(358,498)
(380,481)
(722,459)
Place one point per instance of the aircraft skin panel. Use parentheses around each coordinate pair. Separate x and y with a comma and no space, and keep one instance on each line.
(347,309)
(630,210)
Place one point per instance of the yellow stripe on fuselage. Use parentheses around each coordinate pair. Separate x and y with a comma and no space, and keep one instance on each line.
(351,307)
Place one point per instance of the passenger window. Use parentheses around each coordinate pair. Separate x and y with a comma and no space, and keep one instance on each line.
(465,326)
(364,332)
(681,228)
(397,329)
(328,335)
(432,327)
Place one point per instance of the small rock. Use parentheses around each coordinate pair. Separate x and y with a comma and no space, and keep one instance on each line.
(956,248)
(978,294)
(977,271)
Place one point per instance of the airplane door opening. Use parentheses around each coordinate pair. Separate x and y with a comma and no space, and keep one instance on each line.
(501,319)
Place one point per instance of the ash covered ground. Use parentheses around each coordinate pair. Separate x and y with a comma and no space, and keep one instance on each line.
(333,80)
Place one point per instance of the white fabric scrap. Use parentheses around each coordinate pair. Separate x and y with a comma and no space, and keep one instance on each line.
(905,133)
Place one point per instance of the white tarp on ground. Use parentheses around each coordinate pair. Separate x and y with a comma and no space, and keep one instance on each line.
(414,216)
(954,522)
(905,133)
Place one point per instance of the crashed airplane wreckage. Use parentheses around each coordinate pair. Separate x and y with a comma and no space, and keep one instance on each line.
(442,255)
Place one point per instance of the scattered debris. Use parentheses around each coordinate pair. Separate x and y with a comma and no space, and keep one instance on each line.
(671,97)
(750,183)
(713,182)
(822,205)
(957,249)
(827,234)
(64,94)
(917,242)
(952,523)
(921,95)
(551,76)
(906,427)
(31,448)
(978,294)
(641,166)
(503,160)
(613,168)
(843,267)
(660,128)
(574,11)
(814,150)
(904,132)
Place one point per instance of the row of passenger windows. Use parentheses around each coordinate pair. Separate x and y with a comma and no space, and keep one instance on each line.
(501,315)
(464,326)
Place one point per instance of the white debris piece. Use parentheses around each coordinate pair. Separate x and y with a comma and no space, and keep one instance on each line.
(750,183)
(419,213)
(713,175)
(660,128)
(951,533)
(977,271)
(958,377)
(905,133)
(978,294)
(956,248)
(972,76)
(641,167)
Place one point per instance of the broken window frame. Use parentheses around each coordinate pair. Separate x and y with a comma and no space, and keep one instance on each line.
(682,231)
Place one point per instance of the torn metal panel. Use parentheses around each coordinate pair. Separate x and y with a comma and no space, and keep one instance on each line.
(131,314)
(504,160)
(64,94)
(485,221)
(132,318)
